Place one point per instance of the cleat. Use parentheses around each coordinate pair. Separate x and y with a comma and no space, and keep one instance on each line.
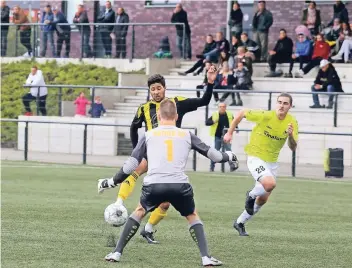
(210,261)
(113,257)
(103,185)
(249,204)
(240,228)
(149,236)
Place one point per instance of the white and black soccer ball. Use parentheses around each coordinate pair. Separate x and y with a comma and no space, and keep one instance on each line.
(116,215)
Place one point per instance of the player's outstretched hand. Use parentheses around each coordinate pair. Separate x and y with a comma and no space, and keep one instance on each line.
(233,161)
(227,138)
(211,74)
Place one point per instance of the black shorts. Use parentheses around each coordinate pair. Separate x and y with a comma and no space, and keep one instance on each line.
(179,195)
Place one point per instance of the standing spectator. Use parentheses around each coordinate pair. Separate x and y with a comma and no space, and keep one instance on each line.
(327,80)
(180,16)
(221,45)
(236,18)
(250,45)
(262,21)
(200,64)
(82,17)
(106,16)
(281,53)
(225,80)
(340,12)
(63,32)
(35,78)
(48,31)
(321,51)
(5,18)
(346,48)
(120,32)
(81,103)
(311,18)
(303,53)
(97,109)
(217,122)
(25,30)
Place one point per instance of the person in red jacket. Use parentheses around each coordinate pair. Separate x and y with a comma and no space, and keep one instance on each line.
(321,51)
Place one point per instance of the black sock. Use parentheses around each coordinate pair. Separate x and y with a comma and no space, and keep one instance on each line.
(198,235)
(130,229)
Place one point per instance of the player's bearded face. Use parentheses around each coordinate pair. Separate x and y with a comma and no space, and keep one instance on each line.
(157,91)
(283,105)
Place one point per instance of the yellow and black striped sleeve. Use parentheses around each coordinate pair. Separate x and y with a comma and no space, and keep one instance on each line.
(137,122)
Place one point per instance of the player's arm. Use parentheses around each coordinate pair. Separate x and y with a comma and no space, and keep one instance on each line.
(292,131)
(138,153)
(135,125)
(192,104)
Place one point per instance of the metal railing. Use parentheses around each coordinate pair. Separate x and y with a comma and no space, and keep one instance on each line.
(85,132)
(135,37)
(270,93)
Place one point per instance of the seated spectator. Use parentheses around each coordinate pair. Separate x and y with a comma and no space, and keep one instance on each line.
(243,81)
(221,45)
(281,53)
(164,51)
(235,43)
(225,80)
(35,78)
(311,18)
(327,80)
(208,64)
(224,57)
(236,19)
(321,51)
(332,37)
(346,47)
(81,102)
(246,58)
(340,12)
(251,46)
(303,53)
(209,46)
(97,109)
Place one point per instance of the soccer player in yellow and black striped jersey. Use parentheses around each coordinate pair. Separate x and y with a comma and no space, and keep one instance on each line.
(147,114)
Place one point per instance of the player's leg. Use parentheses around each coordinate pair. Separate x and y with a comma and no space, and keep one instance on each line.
(183,201)
(155,217)
(128,185)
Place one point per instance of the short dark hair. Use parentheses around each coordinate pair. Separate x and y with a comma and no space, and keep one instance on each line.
(49,6)
(244,33)
(210,35)
(283,30)
(286,95)
(168,110)
(156,78)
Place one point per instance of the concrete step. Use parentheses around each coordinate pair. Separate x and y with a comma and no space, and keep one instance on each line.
(137,100)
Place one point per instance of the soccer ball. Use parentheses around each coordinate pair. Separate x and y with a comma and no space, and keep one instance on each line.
(116,215)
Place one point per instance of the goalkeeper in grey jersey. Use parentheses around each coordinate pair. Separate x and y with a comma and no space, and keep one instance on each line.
(166,148)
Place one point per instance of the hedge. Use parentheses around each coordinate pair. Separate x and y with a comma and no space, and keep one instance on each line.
(14,75)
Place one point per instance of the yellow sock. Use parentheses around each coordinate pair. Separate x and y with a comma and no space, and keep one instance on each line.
(157,215)
(127,186)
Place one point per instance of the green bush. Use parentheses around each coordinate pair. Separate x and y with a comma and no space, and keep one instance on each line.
(14,75)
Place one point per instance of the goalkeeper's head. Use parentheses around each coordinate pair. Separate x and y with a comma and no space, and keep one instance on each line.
(156,84)
(167,114)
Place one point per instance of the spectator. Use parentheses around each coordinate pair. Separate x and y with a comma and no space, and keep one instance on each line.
(332,37)
(246,58)
(120,32)
(48,31)
(236,18)
(340,12)
(345,50)
(250,45)
(218,122)
(221,45)
(327,80)
(35,78)
(321,51)
(243,80)
(106,16)
(63,33)
(209,46)
(224,57)
(25,30)
(164,49)
(97,109)
(5,18)
(235,44)
(311,18)
(208,64)
(225,80)
(303,53)
(262,21)
(180,16)
(81,102)
(281,53)
(82,17)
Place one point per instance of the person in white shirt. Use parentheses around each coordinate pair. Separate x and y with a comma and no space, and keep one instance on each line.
(35,78)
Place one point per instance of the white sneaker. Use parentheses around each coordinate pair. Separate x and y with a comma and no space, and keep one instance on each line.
(113,257)
(100,186)
(299,74)
(210,261)
(337,57)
